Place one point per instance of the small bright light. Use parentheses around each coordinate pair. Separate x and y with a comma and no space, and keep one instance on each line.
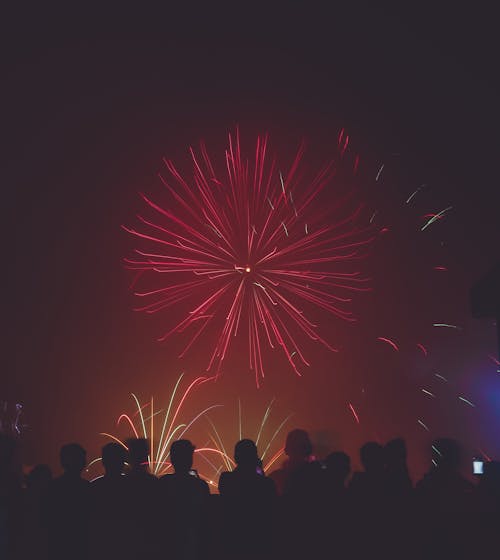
(248,269)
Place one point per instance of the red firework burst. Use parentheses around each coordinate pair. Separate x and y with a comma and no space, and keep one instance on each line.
(247,249)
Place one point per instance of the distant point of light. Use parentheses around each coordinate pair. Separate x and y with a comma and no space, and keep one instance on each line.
(248,269)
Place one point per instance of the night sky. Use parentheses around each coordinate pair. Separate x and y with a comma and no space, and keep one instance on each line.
(91,104)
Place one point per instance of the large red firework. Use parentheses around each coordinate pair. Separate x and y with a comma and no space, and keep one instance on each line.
(248,250)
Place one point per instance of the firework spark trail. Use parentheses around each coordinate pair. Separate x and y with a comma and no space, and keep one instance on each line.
(410,198)
(436,450)
(11,418)
(356,165)
(423,349)
(142,424)
(467,401)
(379,172)
(258,436)
(446,325)
(428,393)
(389,341)
(435,217)
(423,425)
(251,247)
(343,142)
(485,455)
(494,360)
(354,413)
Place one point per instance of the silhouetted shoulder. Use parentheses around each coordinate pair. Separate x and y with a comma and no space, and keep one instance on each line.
(356,480)
(203,486)
(107,488)
(270,487)
(224,480)
(63,480)
(170,482)
(141,478)
(236,484)
(62,485)
(279,477)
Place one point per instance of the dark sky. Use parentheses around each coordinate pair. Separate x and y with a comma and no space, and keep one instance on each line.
(92,101)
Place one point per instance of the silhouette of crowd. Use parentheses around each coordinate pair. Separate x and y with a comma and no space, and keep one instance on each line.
(305,509)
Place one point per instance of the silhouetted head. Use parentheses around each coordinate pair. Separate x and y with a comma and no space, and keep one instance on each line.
(395,452)
(181,455)
(113,458)
(446,453)
(7,449)
(245,454)
(73,458)
(39,478)
(372,456)
(338,465)
(298,445)
(138,453)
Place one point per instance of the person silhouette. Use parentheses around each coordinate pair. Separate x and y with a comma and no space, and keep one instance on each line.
(398,484)
(248,505)
(444,501)
(67,507)
(398,490)
(367,487)
(10,498)
(336,517)
(443,488)
(38,482)
(299,482)
(140,493)
(299,465)
(337,469)
(108,505)
(187,498)
(487,508)
(368,499)
(113,460)
(488,489)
